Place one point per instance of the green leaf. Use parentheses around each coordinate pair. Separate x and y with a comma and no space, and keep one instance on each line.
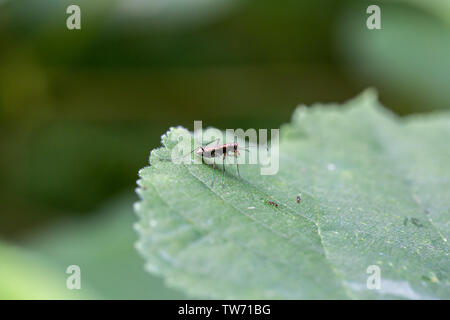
(27,275)
(375,191)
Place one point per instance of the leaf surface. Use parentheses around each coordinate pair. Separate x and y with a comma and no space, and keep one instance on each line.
(375,191)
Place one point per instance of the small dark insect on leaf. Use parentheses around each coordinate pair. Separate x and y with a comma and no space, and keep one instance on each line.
(426,278)
(273,204)
(405,222)
(299,199)
(416,222)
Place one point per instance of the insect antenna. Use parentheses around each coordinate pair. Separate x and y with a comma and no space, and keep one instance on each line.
(187,154)
(194,150)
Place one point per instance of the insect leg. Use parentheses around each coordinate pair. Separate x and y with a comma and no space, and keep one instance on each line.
(237,164)
(237,169)
(223,170)
(214,169)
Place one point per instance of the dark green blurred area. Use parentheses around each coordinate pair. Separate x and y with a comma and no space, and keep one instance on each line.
(80,110)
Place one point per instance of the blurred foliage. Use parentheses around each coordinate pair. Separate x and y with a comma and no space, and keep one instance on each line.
(411,54)
(28,275)
(440,8)
(103,247)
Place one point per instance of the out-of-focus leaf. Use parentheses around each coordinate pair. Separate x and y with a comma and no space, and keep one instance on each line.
(408,57)
(103,248)
(27,275)
(169,13)
(374,191)
(440,8)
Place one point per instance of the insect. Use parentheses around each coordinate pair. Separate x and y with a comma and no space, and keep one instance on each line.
(273,204)
(299,199)
(216,151)
(416,222)
(219,151)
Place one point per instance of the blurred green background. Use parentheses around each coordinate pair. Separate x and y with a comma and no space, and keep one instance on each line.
(80,110)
